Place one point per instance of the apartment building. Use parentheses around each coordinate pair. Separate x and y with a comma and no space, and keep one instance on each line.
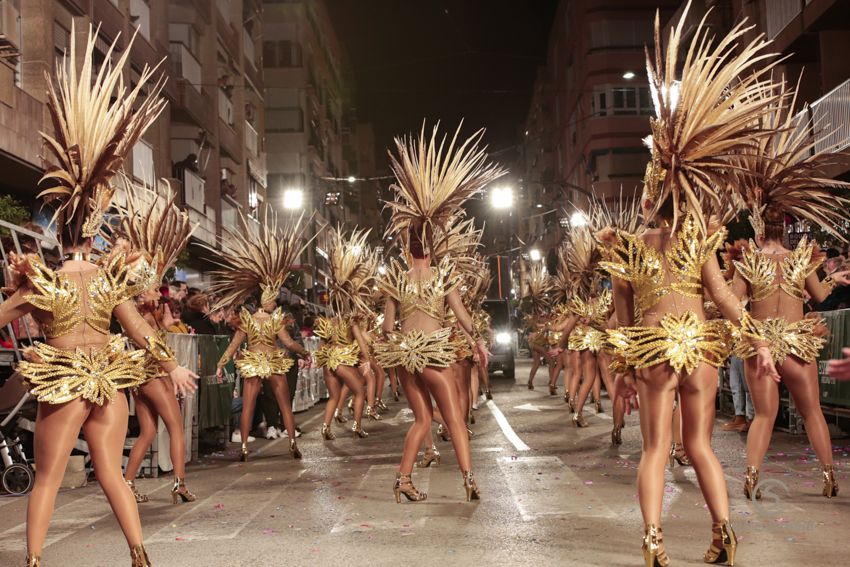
(589,111)
(207,144)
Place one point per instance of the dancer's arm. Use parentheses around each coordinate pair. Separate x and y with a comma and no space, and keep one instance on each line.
(14,307)
(138,330)
(565,328)
(820,289)
(364,348)
(238,338)
(290,344)
(465,322)
(389,316)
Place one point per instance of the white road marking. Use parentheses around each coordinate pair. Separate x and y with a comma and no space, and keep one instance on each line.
(532,407)
(507,430)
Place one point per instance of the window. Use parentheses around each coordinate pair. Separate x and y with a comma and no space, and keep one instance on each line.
(284,120)
(620,33)
(61,42)
(281,97)
(283,53)
(617,100)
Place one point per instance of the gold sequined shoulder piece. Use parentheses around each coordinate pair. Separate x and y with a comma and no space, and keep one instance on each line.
(427,295)
(335,330)
(759,270)
(690,250)
(115,283)
(796,267)
(630,259)
(56,295)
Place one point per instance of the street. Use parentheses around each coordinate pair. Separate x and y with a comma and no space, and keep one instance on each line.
(551,495)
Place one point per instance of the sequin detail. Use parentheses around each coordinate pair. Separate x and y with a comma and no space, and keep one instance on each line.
(784,338)
(262,333)
(253,364)
(427,296)
(759,269)
(332,356)
(416,350)
(585,337)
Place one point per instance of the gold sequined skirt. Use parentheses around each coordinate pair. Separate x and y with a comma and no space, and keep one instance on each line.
(416,350)
(804,338)
(554,337)
(538,340)
(58,376)
(585,337)
(252,364)
(682,341)
(153,369)
(463,350)
(332,355)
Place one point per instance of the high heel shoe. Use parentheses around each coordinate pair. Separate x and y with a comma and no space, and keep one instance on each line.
(488,394)
(431,456)
(530,385)
(678,455)
(617,435)
(327,434)
(350,406)
(339,417)
(654,554)
(472,492)
(830,485)
(395,395)
(566,396)
(179,492)
(751,482)
(372,414)
(293,449)
(379,403)
(33,560)
(723,544)
(358,431)
(403,485)
(139,556)
(140,498)
(243,455)
(553,390)
(599,406)
(471,417)
(443,432)
(578,420)
(572,404)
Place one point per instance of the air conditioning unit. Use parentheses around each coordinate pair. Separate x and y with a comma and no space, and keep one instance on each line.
(10,28)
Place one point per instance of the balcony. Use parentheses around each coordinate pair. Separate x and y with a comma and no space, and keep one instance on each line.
(831,119)
(191,105)
(140,17)
(226,32)
(143,165)
(206,231)
(225,108)
(185,65)
(251,139)
(248,48)
(779,14)
(258,169)
(10,30)
(229,142)
(193,190)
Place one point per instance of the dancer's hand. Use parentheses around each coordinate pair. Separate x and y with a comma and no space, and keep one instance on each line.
(624,387)
(365,368)
(184,380)
(766,368)
(839,368)
(219,372)
(555,352)
(483,355)
(841,278)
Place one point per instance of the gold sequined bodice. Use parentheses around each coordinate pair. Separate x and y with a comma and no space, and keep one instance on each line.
(336,330)
(761,270)
(74,301)
(261,333)
(654,273)
(427,295)
(595,310)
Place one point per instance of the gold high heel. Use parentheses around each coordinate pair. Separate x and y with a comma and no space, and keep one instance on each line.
(372,414)
(488,394)
(379,403)
(404,485)
(830,485)
(358,431)
(180,492)
(339,417)
(572,403)
(723,544)
(293,449)
(566,396)
(751,482)
(139,556)
(443,432)
(553,390)
(350,406)
(530,385)
(327,434)
(243,454)
(654,554)
(599,406)
(578,420)
(432,455)
(617,435)
(678,455)
(33,560)
(472,492)
(140,498)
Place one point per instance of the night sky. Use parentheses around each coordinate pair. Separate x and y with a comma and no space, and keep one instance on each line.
(444,60)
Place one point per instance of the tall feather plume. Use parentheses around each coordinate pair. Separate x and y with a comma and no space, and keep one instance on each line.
(258,257)
(154,225)
(563,282)
(353,268)
(97,120)
(460,241)
(582,256)
(623,214)
(433,180)
(783,173)
(706,117)
(538,288)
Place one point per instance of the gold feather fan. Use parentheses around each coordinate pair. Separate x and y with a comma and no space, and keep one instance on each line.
(353,268)
(258,257)
(703,118)
(433,180)
(97,119)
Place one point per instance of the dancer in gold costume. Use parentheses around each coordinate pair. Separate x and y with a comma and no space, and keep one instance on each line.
(538,289)
(780,177)
(433,179)
(661,277)
(76,374)
(156,228)
(259,259)
(344,353)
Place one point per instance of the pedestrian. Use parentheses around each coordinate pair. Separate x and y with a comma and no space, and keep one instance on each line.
(744,412)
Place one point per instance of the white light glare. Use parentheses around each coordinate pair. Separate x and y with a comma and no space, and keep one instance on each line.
(629,75)
(503,338)
(534,254)
(293,199)
(578,219)
(382,270)
(351,179)
(502,197)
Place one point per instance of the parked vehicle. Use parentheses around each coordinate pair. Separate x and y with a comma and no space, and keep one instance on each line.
(503,349)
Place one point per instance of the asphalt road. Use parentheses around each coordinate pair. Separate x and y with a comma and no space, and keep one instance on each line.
(552,495)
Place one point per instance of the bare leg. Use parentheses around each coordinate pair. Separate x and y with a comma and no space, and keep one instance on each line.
(589,368)
(485,377)
(160,394)
(371,386)
(393,381)
(619,408)
(280,388)
(536,357)
(105,431)
(474,385)
(250,390)
(597,390)
(801,378)
(765,395)
(334,392)
(147,417)
(343,397)
(355,382)
(574,371)
(677,424)
(57,428)
(459,372)
(441,385)
(381,379)
(420,403)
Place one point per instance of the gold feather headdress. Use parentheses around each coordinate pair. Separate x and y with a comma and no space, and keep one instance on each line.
(782,174)
(460,241)
(581,255)
(259,255)
(705,117)
(563,283)
(538,288)
(97,119)
(621,214)
(434,179)
(154,225)
(353,268)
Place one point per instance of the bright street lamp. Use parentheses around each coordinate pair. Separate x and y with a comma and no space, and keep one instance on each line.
(629,75)
(534,254)
(351,179)
(293,199)
(502,197)
(578,219)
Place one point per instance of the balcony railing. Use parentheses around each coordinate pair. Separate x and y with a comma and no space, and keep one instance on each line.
(225,108)
(143,168)
(248,48)
(140,15)
(185,64)
(193,189)
(779,14)
(831,119)
(206,226)
(251,139)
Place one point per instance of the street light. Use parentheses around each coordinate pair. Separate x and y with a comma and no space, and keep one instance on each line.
(502,197)
(534,254)
(293,199)
(351,179)
(629,75)
(578,219)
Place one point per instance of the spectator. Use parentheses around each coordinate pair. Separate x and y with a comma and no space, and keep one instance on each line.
(744,411)
(195,315)
(306,329)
